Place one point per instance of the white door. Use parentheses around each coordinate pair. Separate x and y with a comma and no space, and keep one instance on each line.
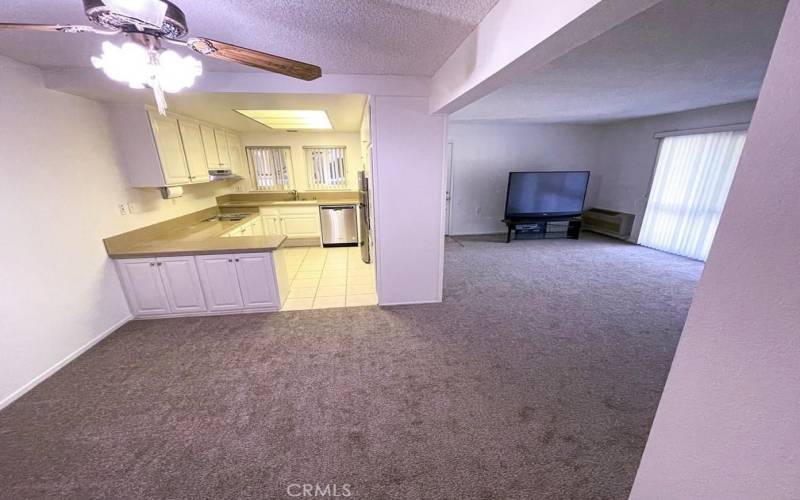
(170,149)
(143,287)
(182,284)
(220,284)
(195,151)
(257,281)
(222,148)
(210,146)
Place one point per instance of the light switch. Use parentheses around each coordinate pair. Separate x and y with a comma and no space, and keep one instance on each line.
(123,208)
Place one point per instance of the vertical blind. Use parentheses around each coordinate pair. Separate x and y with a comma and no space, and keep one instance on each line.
(270,167)
(691,182)
(326,168)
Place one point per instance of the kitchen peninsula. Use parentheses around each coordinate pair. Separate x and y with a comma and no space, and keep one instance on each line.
(203,263)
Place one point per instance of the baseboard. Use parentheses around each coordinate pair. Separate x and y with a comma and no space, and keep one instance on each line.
(205,314)
(44,375)
(412,303)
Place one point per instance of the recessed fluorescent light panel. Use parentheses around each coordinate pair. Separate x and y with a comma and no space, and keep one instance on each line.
(289,119)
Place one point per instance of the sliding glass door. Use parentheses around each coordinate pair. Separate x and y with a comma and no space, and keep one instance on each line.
(691,182)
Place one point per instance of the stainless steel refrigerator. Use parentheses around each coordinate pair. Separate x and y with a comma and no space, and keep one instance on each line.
(363,216)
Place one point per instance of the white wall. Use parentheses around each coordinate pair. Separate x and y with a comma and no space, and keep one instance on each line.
(408,179)
(59,193)
(296,141)
(728,424)
(484,154)
(627,154)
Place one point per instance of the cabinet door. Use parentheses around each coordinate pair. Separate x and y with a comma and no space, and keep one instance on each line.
(258,227)
(170,149)
(194,149)
(222,148)
(220,284)
(237,154)
(210,146)
(182,284)
(257,281)
(143,287)
(271,224)
(300,226)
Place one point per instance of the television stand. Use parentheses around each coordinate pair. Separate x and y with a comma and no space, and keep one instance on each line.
(540,228)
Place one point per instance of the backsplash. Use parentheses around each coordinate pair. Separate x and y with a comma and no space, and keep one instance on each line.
(340,196)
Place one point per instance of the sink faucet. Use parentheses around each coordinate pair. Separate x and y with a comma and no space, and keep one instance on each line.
(295,194)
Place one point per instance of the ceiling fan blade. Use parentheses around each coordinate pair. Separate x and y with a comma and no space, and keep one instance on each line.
(261,60)
(56,28)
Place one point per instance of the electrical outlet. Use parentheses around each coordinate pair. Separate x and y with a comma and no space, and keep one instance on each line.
(123,208)
(131,208)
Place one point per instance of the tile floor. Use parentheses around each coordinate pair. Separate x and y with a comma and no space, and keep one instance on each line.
(322,278)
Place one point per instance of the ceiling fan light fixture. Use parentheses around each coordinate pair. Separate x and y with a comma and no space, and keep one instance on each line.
(140,67)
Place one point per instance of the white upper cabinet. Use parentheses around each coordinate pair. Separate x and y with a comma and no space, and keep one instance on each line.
(170,149)
(236,154)
(210,146)
(222,148)
(194,150)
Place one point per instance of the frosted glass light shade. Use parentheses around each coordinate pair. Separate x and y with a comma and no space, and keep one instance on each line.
(135,65)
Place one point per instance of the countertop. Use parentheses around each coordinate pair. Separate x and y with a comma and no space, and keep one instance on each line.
(193,238)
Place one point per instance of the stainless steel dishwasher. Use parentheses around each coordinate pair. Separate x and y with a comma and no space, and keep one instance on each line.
(339,225)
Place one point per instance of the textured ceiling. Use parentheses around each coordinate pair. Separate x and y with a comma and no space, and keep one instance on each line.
(678,55)
(388,37)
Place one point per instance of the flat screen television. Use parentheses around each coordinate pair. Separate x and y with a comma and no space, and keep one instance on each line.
(545,194)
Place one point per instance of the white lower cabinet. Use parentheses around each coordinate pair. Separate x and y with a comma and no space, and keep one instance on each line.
(182,284)
(143,287)
(271,224)
(220,284)
(257,281)
(193,285)
(293,221)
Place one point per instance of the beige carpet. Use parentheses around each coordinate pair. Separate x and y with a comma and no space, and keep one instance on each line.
(537,378)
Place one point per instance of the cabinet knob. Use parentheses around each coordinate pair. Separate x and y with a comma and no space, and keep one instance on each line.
(237,260)
(230,260)
(152,264)
(159,263)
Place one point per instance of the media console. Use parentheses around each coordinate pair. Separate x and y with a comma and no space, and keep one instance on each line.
(539,228)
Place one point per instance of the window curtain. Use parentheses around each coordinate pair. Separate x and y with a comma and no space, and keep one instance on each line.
(691,182)
(326,168)
(270,168)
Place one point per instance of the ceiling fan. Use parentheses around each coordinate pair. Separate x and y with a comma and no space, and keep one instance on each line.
(142,61)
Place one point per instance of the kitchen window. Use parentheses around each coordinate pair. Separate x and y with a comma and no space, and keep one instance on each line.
(270,168)
(326,168)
